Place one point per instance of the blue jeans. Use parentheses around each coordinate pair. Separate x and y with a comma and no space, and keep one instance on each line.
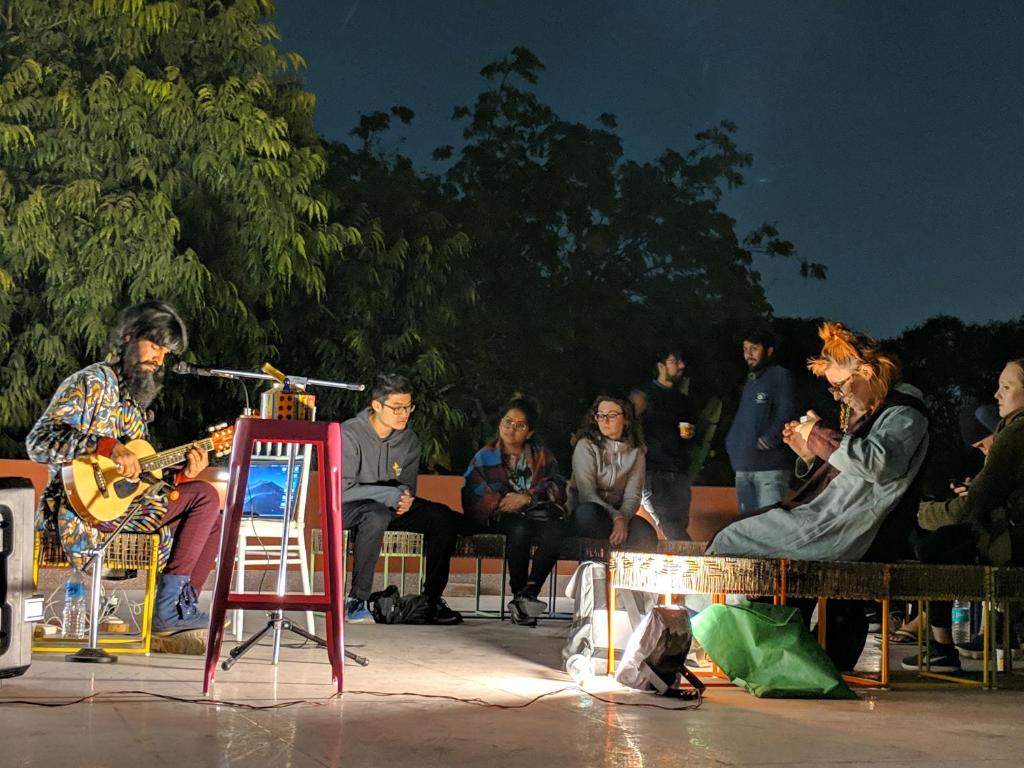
(756,490)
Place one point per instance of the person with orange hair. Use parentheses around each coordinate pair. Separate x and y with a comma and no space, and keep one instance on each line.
(861,482)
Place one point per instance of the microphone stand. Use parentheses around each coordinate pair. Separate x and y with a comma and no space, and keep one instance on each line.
(276,620)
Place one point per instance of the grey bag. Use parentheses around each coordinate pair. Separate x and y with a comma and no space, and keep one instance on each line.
(588,590)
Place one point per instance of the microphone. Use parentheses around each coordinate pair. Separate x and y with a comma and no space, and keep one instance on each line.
(187,369)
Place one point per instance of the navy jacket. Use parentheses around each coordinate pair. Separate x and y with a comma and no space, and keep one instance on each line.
(754,441)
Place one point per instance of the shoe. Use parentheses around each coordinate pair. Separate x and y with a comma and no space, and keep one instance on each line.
(518,614)
(176,608)
(939,658)
(974,649)
(531,605)
(191,642)
(356,611)
(442,613)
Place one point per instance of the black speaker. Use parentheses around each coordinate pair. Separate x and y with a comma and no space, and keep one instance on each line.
(17,607)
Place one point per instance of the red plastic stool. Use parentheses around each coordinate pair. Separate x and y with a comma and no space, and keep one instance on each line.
(326,437)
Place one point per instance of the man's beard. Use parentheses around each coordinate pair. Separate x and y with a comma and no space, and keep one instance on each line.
(141,384)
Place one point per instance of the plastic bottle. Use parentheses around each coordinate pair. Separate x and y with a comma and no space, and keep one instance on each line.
(961,623)
(75,610)
(579,667)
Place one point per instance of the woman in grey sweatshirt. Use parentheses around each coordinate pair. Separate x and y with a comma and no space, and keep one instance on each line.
(608,466)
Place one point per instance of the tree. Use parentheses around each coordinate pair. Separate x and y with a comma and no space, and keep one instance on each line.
(151,149)
(588,262)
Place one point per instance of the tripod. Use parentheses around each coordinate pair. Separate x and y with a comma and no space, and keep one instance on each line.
(276,620)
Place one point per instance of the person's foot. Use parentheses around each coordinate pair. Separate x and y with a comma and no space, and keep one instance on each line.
(975,650)
(356,611)
(938,658)
(442,613)
(532,606)
(518,614)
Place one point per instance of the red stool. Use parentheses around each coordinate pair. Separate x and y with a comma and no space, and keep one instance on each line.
(326,437)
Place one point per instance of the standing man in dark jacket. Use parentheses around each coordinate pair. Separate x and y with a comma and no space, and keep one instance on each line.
(381,461)
(668,424)
(763,463)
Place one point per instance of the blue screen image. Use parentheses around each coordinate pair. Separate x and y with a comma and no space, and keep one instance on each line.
(265,490)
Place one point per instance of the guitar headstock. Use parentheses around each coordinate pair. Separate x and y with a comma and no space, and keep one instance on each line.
(221,436)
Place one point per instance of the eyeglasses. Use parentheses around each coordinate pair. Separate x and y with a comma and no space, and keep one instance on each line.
(839,388)
(400,410)
(516,426)
(606,417)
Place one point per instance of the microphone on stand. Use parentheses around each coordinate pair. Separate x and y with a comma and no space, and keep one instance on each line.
(187,369)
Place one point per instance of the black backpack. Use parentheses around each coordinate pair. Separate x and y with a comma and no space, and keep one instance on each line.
(389,607)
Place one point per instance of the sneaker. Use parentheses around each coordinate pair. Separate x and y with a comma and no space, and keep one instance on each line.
(356,611)
(531,605)
(939,658)
(518,614)
(975,650)
(191,642)
(442,613)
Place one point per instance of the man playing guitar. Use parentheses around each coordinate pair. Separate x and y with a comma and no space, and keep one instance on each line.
(96,411)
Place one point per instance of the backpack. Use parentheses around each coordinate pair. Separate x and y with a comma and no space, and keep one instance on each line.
(389,607)
(588,633)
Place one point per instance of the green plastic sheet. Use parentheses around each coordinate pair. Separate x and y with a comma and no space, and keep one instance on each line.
(768,650)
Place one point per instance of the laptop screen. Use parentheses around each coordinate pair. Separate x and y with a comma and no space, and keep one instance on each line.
(265,492)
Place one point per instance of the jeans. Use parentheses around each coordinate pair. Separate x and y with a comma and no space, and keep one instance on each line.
(667,497)
(592,521)
(370,519)
(756,490)
(520,537)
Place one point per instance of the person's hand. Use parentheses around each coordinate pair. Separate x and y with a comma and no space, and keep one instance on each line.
(795,440)
(513,502)
(404,502)
(620,530)
(960,488)
(126,461)
(806,424)
(196,460)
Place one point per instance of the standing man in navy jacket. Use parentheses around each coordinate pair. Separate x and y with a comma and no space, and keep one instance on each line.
(763,464)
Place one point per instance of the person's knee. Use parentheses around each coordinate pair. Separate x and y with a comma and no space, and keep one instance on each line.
(373,519)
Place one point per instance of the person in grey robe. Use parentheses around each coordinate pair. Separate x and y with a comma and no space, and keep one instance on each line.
(860,493)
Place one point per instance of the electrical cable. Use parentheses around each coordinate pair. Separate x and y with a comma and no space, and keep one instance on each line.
(320,702)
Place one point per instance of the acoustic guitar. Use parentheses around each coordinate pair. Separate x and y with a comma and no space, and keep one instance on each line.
(98,493)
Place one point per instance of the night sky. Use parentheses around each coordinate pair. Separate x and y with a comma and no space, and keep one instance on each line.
(888,137)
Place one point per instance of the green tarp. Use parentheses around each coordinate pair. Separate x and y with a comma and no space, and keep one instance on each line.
(768,650)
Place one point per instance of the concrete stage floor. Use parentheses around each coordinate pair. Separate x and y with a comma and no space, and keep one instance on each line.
(379,722)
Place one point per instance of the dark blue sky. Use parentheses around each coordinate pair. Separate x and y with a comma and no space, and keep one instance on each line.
(888,137)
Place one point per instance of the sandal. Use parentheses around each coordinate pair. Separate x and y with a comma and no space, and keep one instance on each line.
(902,637)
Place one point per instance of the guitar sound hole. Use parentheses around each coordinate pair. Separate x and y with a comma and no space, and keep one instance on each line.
(125,488)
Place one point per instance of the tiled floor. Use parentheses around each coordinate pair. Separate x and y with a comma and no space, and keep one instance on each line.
(380,722)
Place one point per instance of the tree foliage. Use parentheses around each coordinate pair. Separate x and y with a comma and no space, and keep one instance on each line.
(151,149)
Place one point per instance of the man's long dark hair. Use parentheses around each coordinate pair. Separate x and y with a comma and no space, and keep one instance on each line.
(154,321)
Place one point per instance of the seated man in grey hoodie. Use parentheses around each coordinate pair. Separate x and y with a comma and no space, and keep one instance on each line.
(381,463)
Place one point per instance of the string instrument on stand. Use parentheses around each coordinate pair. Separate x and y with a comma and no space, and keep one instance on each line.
(99,493)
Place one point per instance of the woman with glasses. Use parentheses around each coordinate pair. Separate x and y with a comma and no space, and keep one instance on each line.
(608,467)
(513,487)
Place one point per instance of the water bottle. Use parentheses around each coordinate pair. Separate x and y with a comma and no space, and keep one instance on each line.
(74,606)
(961,623)
(580,668)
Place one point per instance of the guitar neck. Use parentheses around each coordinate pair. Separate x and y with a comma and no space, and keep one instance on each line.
(173,456)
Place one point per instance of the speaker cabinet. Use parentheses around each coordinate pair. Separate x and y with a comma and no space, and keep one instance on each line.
(16,516)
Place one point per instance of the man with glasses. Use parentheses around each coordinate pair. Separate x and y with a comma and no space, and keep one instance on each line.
(762,462)
(381,461)
(668,425)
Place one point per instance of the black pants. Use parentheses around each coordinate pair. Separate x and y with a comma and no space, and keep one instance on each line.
(520,536)
(591,521)
(951,545)
(368,520)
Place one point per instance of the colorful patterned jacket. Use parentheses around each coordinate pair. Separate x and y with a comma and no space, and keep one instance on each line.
(488,479)
(88,414)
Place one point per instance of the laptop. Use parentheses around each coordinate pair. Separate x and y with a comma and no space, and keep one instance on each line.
(265,494)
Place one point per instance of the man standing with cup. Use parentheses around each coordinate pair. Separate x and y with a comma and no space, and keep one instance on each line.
(763,464)
(668,424)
